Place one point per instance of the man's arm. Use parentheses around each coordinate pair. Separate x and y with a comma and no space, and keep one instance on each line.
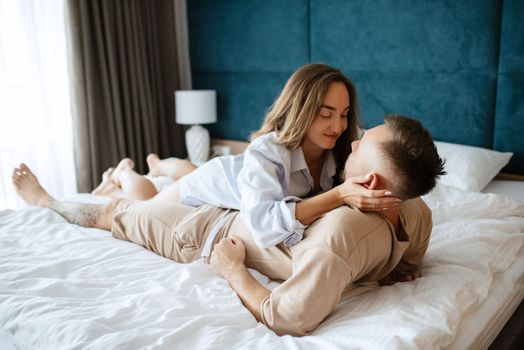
(228,260)
(408,268)
(299,304)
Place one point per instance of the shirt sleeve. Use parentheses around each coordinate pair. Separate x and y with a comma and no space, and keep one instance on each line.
(265,207)
(419,240)
(302,302)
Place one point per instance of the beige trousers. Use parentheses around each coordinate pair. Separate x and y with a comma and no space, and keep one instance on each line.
(179,232)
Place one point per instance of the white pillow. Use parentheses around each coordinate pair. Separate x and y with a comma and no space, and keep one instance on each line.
(470,168)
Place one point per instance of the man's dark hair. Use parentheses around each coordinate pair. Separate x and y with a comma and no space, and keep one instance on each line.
(413,155)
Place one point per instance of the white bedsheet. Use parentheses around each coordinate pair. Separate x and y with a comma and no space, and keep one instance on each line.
(63,286)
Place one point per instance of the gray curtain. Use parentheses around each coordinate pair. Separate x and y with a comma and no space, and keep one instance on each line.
(126,60)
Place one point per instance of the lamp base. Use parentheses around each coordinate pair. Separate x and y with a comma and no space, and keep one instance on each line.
(197,143)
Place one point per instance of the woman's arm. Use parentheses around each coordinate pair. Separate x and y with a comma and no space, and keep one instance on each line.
(265,205)
(351,192)
(313,208)
(273,216)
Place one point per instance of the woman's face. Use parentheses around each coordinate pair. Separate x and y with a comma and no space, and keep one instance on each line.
(332,119)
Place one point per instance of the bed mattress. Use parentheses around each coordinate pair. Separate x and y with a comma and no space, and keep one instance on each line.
(479,327)
(67,287)
(512,189)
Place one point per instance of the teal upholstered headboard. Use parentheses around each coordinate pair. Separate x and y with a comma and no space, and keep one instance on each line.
(458,66)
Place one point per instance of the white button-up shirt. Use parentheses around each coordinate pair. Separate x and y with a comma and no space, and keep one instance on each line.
(264,183)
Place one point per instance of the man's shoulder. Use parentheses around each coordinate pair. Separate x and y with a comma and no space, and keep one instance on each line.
(416,204)
(415,213)
(342,230)
(345,215)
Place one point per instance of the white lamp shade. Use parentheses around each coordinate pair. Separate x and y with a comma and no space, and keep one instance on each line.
(196,106)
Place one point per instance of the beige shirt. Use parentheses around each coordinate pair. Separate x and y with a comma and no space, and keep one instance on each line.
(342,247)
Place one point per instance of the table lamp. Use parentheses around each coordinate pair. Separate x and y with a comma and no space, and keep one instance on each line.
(194,107)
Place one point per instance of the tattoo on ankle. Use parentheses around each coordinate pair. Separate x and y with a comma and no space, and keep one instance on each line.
(85,215)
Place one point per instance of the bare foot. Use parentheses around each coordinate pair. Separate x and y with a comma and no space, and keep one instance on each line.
(175,168)
(108,189)
(106,182)
(153,162)
(29,189)
(106,176)
(124,165)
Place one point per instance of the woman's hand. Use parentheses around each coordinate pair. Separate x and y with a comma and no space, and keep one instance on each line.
(353,193)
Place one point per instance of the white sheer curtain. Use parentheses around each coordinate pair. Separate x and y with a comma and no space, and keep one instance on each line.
(35,116)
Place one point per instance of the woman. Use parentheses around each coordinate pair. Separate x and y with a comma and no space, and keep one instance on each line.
(299,152)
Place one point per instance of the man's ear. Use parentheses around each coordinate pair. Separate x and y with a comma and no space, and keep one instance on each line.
(372,181)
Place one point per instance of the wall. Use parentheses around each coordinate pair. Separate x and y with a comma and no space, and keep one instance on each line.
(455,65)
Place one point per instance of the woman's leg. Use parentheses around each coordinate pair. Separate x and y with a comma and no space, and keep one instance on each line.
(124,182)
(131,184)
(175,168)
(170,194)
(106,186)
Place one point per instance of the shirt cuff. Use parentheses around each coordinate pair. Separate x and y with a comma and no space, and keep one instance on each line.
(293,239)
(297,227)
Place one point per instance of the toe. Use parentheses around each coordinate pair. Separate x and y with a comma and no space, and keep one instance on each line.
(107,174)
(25,169)
(16,172)
(16,180)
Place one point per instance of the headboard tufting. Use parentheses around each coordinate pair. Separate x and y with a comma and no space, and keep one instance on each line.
(458,66)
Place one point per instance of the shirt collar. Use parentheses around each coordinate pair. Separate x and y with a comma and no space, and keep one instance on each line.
(330,165)
(298,162)
(328,170)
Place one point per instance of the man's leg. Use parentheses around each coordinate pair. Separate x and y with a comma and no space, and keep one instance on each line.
(154,226)
(88,215)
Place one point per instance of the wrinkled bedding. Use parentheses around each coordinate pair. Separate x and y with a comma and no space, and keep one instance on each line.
(68,287)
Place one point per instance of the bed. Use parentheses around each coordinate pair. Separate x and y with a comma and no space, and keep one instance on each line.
(68,287)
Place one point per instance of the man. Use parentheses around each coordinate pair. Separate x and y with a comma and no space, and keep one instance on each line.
(343,247)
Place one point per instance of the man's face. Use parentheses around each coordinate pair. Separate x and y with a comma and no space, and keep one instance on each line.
(366,155)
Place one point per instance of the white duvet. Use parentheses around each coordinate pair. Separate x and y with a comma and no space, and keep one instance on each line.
(67,287)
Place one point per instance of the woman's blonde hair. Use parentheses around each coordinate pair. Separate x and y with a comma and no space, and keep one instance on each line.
(299,103)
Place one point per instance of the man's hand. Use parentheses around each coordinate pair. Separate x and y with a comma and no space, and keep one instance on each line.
(228,257)
(227,260)
(394,278)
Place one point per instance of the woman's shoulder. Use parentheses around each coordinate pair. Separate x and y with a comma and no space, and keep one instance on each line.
(268,146)
(267,140)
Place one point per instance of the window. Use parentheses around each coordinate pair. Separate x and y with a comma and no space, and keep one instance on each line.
(35,113)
